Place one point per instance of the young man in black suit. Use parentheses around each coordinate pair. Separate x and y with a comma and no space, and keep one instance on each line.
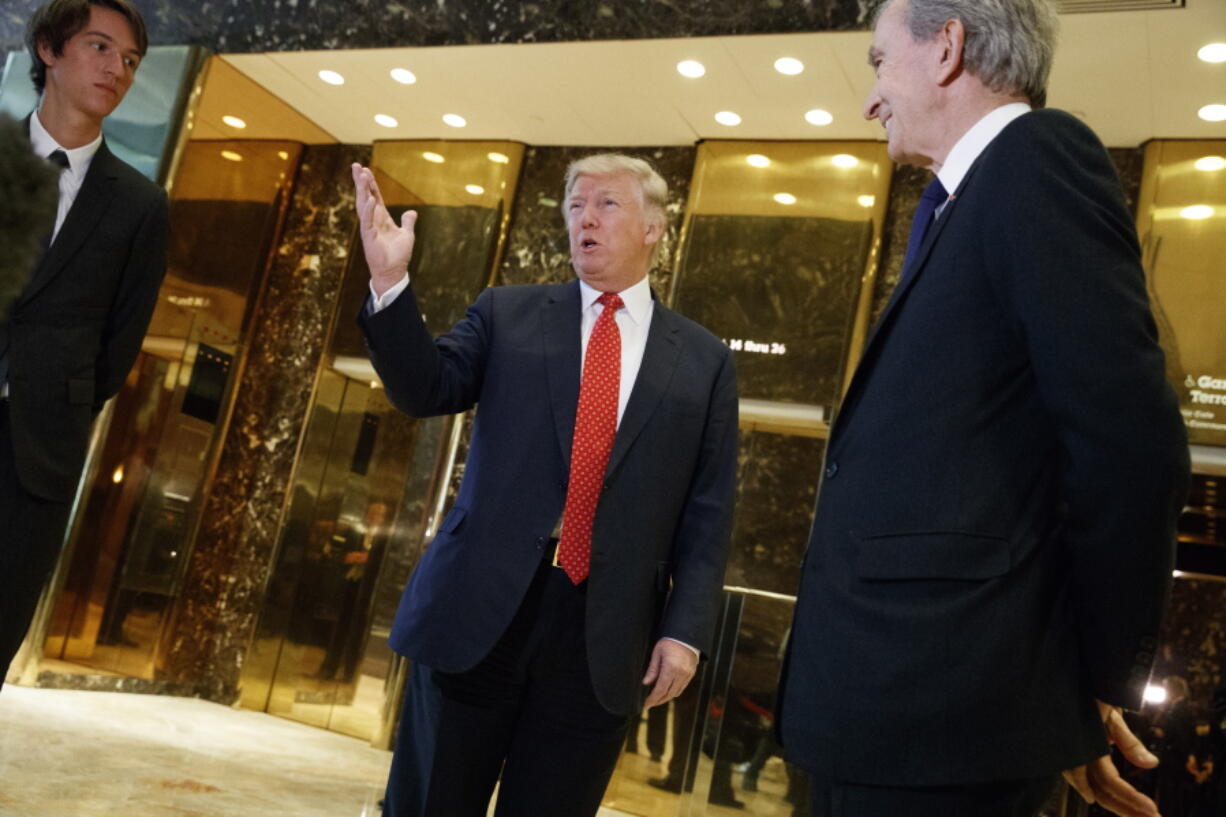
(993,541)
(70,338)
(585,553)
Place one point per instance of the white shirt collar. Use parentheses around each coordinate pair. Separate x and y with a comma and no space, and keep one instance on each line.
(44,145)
(637,299)
(967,149)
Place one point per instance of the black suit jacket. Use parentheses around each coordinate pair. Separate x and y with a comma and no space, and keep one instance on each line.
(77,327)
(993,539)
(660,535)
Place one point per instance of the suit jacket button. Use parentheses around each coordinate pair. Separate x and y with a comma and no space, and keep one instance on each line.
(832,468)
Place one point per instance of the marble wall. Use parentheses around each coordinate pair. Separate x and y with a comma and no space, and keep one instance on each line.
(1193,643)
(538,250)
(224,586)
(241,26)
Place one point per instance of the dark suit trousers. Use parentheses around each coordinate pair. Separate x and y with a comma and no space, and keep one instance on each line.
(31,534)
(527,710)
(1017,798)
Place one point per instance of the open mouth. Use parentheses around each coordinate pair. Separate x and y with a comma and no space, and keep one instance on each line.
(588,243)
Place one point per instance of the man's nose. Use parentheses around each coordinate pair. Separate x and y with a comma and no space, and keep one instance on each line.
(872,105)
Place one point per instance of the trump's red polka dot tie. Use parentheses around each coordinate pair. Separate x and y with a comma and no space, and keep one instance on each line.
(595,427)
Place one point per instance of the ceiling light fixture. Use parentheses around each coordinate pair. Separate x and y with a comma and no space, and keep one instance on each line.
(498,158)
(431,156)
(234,122)
(785,198)
(475,189)
(691,68)
(728,118)
(866,201)
(758,160)
(844,160)
(331,77)
(385,120)
(404,76)
(1210,163)
(1213,52)
(454,120)
(819,117)
(231,156)
(789,65)
(1213,113)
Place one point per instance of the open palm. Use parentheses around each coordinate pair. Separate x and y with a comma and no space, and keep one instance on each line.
(388,246)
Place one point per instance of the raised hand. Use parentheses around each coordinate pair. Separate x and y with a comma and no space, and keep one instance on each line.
(388,246)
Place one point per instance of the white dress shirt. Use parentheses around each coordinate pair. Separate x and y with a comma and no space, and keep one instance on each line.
(967,149)
(79,159)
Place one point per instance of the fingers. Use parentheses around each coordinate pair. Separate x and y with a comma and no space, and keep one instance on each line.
(1122,737)
(670,669)
(1114,793)
(408,220)
(1077,779)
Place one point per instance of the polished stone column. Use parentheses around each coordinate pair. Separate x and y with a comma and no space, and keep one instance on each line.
(224,584)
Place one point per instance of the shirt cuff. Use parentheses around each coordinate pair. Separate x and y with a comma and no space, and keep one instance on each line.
(692,649)
(379,302)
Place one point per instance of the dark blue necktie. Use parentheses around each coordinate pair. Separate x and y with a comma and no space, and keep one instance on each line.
(934,196)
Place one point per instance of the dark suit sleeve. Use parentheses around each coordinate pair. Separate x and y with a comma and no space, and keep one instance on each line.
(700,547)
(128,317)
(425,376)
(1069,271)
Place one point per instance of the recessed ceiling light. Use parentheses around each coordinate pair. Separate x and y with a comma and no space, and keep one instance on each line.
(1213,52)
(284,154)
(844,160)
(691,68)
(758,160)
(385,120)
(475,189)
(431,156)
(499,158)
(404,76)
(728,118)
(818,117)
(1196,212)
(455,120)
(1210,163)
(785,198)
(232,156)
(866,201)
(789,65)
(1213,113)
(234,122)
(331,77)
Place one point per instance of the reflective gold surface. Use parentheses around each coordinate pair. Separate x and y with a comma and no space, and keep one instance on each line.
(369,480)
(1181,221)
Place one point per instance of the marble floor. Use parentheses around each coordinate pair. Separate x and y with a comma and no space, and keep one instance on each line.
(106,754)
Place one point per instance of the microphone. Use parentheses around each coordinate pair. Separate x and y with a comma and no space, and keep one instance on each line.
(29,194)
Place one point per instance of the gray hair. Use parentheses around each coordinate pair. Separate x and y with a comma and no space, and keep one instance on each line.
(1009,46)
(651,184)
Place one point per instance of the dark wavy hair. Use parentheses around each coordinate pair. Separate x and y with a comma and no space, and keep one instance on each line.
(30,185)
(60,20)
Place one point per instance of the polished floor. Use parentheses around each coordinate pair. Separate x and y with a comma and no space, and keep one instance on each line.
(105,754)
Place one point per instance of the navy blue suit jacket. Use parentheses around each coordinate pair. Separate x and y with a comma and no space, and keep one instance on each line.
(660,535)
(993,538)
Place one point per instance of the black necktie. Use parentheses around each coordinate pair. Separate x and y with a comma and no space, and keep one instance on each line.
(59,157)
(934,196)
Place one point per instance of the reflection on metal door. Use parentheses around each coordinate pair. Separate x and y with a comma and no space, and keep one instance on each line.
(351,533)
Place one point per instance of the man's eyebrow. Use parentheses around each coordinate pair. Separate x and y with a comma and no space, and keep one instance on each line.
(110,39)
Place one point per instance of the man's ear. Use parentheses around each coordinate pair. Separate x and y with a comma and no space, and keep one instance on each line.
(46,53)
(655,231)
(952,39)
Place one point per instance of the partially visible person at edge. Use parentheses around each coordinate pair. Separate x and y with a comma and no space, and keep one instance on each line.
(73,332)
(992,546)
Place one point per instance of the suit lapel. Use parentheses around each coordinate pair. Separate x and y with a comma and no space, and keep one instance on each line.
(91,203)
(563,351)
(660,359)
(919,263)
